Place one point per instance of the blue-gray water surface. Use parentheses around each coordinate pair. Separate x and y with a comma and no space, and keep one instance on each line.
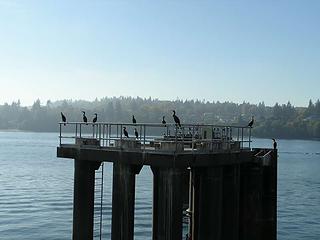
(36,190)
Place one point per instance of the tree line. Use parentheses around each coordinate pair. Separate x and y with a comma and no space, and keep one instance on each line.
(278,121)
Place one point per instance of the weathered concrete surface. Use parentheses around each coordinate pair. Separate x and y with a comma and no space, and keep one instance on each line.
(207,203)
(230,209)
(123,199)
(83,199)
(154,158)
(167,203)
(258,201)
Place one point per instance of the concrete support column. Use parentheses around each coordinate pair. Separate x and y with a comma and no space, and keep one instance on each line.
(123,199)
(207,203)
(83,199)
(250,201)
(258,199)
(167,203)
(269,200)
(230,210)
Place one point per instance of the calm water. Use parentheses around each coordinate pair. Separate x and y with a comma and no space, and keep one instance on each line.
(36,190)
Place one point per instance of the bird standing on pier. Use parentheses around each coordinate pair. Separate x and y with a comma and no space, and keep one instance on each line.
(176,119)
(163,121)
(136,133)
(134,121)
(125,132)
(274,144)
(84,117)
(94,120)
(64,119)
(250,124)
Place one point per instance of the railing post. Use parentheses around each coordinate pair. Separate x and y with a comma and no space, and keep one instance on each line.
(250,137)
(211,138)
(238,134)
(60,134)
(120,133)
(183,135)
(242,137)
(140,133)
(144,137)
(176,137)
(109,133)
(192,139)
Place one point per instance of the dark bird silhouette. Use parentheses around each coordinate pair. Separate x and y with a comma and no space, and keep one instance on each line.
(84,117)
(176,119)
(163,121)
(94,120)
(125,132)
(64,119)
(274,143)
(136,133)
(134,121)
(250,124)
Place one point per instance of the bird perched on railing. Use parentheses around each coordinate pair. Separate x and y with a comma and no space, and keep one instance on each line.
(163,121)
(64,119)
(250,124)
(175,118)
(136,133)
(134,121)
(125,132)
(94,120)
(274,143)
(84,117)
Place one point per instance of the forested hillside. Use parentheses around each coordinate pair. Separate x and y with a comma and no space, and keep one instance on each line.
(279,121)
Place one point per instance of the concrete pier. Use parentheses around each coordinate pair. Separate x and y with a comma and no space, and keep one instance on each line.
(232,188)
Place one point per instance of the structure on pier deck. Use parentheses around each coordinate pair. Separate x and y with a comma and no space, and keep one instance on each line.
(232,190)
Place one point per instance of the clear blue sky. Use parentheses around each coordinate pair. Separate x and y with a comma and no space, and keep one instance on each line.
(215,50)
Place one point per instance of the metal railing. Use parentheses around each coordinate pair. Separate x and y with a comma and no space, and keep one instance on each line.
(193,136)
